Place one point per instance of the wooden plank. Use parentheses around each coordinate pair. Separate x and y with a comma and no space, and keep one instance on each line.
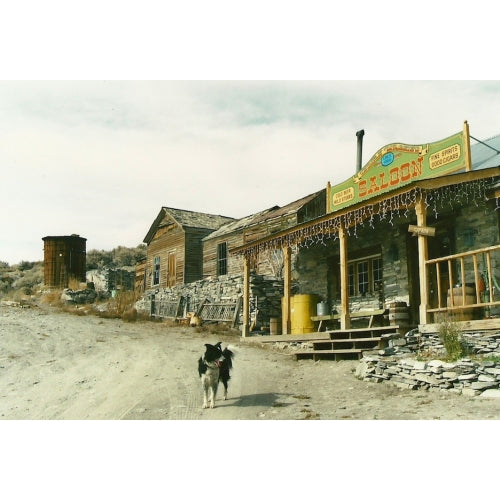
(287,285)
(422,230)
(465,326)
(345,321)
(302,337)
(476,278)
(340,341)
(421,211)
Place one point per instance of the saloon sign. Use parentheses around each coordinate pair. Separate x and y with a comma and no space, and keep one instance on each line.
(397,165)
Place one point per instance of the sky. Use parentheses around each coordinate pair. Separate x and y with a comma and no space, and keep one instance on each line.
(108,118)
(110,110)
(100,158)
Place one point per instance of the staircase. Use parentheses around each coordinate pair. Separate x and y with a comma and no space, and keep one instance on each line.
(349,344)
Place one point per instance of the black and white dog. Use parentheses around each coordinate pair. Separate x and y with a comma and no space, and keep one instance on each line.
(214,366)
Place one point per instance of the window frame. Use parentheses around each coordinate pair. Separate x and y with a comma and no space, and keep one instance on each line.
(366,270)
(222,258)
(156,270)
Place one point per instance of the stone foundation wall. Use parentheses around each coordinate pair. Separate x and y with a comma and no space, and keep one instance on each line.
(467,376)
(265,295)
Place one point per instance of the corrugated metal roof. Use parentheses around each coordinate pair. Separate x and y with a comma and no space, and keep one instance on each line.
(484,157)
(265,215)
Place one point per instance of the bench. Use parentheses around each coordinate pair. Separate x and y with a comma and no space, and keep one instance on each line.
(373,313)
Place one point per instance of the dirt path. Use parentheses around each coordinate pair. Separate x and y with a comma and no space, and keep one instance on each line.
(61,366)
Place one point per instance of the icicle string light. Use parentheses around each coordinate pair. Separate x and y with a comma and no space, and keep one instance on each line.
(387,210)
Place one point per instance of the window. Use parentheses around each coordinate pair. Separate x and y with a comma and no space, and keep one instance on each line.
(364,275)
(221,259)
(156,271)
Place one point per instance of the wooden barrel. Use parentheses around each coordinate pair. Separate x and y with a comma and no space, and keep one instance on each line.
(458,300)
(399,314)
(274,326)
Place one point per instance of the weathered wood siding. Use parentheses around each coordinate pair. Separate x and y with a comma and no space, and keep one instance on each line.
(234,264)
(169,239)
(193,270)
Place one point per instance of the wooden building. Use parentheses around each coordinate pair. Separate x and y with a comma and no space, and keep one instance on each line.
(417,224)
(174,253)
(217,259)
(65,258)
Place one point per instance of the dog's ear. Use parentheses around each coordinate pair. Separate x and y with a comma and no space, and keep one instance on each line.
(208,345)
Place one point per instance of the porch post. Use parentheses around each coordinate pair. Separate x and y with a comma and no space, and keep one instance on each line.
(345,320)
(246,296)
(287,286)
(421,211)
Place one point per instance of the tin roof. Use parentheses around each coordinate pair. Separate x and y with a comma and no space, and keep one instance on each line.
(265,215)
(483,156)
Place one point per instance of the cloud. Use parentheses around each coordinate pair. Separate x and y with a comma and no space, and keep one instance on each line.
(99,158)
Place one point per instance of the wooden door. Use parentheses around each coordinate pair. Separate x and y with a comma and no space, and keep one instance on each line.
(171,270)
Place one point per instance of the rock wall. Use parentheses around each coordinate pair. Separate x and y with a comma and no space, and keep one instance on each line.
(265,295)
(467,376)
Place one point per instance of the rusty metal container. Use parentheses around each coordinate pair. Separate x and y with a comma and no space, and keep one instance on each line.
(65,258)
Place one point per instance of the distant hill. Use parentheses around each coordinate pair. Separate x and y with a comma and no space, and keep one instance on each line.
(27,277)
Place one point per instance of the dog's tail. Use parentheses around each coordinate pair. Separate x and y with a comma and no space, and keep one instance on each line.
(229,355)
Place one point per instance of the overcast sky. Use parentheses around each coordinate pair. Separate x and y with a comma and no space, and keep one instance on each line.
(114,114)
(100,158)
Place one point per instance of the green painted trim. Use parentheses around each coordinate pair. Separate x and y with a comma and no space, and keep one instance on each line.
(397,165)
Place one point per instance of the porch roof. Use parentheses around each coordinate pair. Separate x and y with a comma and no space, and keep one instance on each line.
(485,165)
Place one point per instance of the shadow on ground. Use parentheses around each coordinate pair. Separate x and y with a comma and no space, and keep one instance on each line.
(269,399)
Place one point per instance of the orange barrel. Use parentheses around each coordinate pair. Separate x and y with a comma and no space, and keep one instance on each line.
(274,326)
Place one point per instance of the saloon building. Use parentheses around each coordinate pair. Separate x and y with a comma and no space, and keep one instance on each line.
(417,225)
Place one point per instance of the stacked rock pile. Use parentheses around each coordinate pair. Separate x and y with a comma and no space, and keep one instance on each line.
(465,376)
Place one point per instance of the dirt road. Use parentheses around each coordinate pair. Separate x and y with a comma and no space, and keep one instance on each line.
(62,366)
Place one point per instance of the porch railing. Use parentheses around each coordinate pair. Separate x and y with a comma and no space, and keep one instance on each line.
(464,281)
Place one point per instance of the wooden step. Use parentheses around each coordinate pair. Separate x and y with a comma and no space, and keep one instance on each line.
(335,353)
(302,337)
(365,344)
(340,341)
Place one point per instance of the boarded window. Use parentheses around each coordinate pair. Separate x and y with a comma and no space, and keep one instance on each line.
(221,259)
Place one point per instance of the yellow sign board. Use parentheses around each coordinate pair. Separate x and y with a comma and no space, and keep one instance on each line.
(397,165)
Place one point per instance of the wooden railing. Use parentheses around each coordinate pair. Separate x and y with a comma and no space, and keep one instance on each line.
(468,279)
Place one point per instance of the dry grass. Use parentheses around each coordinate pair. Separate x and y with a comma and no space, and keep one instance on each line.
(75,284)
(217,329)
(122,306)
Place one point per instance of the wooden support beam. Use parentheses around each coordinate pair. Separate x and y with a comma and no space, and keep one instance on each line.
(345,320)
(287,287)
(246,296)
(421,211)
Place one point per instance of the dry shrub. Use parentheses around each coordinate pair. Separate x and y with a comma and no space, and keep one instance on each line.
(75,284)
(130,315)
(217,329)
(117,306)
(450,334)
(51,298)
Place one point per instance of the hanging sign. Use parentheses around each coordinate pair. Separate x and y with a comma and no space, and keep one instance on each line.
(397,165)
(422,230)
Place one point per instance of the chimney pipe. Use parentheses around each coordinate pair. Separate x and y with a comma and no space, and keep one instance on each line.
(359,135)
